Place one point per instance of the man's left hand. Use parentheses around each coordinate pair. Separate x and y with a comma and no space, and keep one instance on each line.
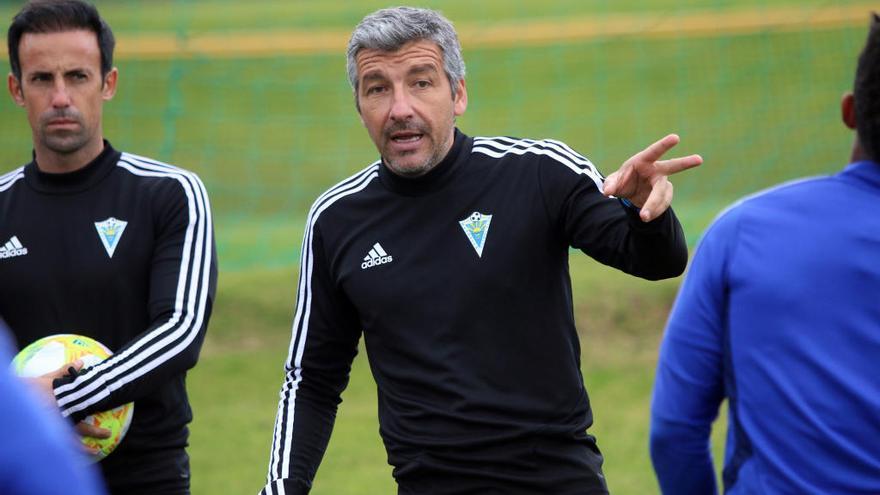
(643,179)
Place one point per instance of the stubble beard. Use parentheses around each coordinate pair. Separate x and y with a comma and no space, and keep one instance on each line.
(64,142)
(432,160)
(418,169)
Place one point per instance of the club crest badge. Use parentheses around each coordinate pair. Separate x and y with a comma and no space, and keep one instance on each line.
(476,228)
(110,231)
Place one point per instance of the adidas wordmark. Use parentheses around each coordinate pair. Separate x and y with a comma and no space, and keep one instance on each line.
(12,249)
(377,256)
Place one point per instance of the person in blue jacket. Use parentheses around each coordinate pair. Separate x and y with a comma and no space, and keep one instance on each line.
(38,454)
(780,315)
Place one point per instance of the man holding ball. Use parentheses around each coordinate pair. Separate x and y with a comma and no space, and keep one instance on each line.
(105,244)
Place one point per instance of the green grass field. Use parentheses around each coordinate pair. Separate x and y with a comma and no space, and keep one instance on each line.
(268,133)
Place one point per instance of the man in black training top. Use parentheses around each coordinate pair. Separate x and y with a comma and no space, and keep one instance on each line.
(450,254)
(105,244)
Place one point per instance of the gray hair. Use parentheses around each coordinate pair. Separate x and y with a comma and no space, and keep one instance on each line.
(390,29)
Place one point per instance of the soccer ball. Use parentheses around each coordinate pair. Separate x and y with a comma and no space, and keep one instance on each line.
(52,352)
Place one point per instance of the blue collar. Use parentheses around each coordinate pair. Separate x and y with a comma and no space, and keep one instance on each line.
(865,173)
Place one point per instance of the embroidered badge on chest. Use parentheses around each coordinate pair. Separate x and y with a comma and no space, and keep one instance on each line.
(110,231)
(476,228)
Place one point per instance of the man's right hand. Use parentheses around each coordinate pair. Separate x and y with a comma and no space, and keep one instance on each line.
(86,429)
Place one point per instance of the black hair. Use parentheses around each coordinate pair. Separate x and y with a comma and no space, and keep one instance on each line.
(867,92)
(55,16)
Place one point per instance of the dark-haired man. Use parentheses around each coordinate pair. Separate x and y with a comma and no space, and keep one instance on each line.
(105,244)
(450,255)
(780,315)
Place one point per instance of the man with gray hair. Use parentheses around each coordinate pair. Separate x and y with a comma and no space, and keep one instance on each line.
(450,255)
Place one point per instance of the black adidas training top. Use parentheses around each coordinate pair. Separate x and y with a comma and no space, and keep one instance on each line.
(476,356)
(149,302)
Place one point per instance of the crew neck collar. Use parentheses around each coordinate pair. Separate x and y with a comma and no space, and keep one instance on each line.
(76,181)
(865,172)
(436,178)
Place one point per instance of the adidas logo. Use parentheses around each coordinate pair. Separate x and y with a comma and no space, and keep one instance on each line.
(12,249)
(377,256)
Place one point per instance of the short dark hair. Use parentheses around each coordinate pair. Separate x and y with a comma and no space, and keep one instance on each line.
(55,16)
(867,92)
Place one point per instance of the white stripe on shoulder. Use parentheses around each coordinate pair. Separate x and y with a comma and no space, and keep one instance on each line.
(345,183)
(10,178)
(282,442)
(352,185)
(148,164)
(502,143)
(499,146)
(178,332)
(131,157)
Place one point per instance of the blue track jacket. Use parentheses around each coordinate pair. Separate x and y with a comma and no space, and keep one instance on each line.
(779,314)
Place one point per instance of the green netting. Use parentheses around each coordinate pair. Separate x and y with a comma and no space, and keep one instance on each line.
(753,86)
